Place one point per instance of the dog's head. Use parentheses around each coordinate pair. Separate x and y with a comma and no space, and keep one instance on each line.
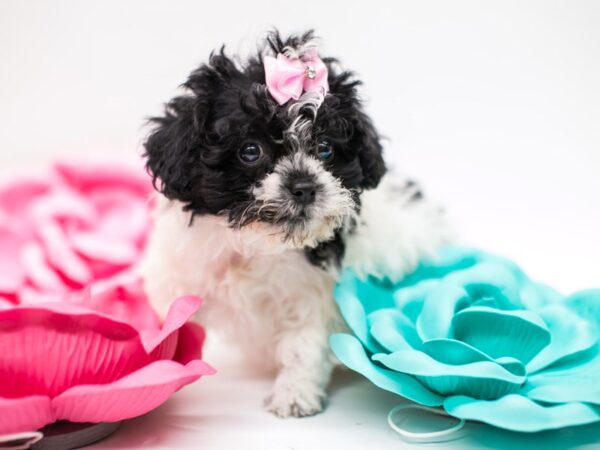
(227,147)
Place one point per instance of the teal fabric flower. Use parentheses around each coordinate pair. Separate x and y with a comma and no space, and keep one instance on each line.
(470,332)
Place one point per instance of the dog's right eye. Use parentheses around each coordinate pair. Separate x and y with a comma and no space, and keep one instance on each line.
(250,153)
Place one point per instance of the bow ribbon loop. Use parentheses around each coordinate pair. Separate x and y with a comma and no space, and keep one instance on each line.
(287,77)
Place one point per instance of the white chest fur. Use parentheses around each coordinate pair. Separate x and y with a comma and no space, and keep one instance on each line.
(254,287)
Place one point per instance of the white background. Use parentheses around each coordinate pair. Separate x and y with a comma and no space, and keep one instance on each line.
(493,106)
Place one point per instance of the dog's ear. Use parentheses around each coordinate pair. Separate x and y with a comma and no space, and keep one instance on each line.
(365,138)
(174,149)
(370,151)
(172,146)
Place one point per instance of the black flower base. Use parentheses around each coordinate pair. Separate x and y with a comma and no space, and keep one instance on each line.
(69,435)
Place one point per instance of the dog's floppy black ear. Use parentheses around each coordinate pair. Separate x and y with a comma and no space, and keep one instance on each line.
(365,138)
(370,153)
(172,146)
(175,147)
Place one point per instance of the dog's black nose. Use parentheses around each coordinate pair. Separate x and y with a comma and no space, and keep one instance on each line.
(304,192)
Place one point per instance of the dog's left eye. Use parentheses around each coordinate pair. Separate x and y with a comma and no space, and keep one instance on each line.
(325,150)
(250,153)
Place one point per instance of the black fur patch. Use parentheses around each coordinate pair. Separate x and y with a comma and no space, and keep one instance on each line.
(327,253)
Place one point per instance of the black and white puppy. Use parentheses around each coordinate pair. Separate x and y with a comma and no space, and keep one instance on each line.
(264,202)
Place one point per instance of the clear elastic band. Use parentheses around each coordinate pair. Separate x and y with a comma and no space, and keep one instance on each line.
(20,441)
(447,434)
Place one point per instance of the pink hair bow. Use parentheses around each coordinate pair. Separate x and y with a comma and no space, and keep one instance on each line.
(287,78)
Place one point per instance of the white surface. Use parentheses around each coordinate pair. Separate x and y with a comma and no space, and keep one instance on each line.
(494,106)
(221,412)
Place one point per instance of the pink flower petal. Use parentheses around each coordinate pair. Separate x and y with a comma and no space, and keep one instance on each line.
(39,273)
(124,277)
(127,303)
(61,255)
(17,190)
(24,414)
(98,349)
(5,303)
(62,204)
(31,296)
(138,221)
(83,221)
(12,275)
(157,341)
(130,396)
(102,247)
(92,173)
(189,343)
(122,214)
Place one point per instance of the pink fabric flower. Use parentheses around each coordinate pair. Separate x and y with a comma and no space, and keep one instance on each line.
(78,338)
(94,358)
(71,226)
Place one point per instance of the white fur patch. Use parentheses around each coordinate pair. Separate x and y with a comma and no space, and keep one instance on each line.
(303,112)
(332,209)
(299,51)
(394,233)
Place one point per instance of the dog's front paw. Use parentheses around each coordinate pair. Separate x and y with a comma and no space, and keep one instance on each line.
(298,401)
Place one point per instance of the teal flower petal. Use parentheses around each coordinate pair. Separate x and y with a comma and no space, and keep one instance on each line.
(491,280)
(587,305)
(393,330)
(372,293)
(582,362)
(576,381)
(352,354)
(570,335)
(518,334)
(410,299)
(481,379)
(439,307)
(567,390)
(519,413)
(354,314)
(453,352)
(447,260)
(536,295)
